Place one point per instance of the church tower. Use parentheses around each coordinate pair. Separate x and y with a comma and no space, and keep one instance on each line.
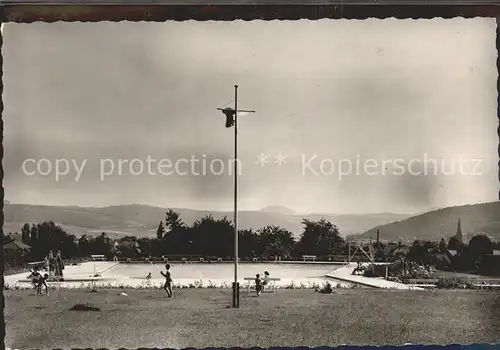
(459,235)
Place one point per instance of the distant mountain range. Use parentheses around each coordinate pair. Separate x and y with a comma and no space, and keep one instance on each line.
(442,223)
(143,220)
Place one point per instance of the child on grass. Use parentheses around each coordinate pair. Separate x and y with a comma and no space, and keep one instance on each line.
(168,281)
(42,282)
(34,276)
(258,285)
(266,279)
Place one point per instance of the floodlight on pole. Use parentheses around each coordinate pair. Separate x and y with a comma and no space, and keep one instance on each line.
(232,120)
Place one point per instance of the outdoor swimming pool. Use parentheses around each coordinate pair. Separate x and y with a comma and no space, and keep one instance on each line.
(184,274)
(196,271)
(222,273)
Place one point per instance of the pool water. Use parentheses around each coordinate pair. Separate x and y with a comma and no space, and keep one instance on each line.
(223,271)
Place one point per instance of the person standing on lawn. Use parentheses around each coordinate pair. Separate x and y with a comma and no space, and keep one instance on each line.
(59,265)
(52,263)
(258,284)
(47,264)
(266,279)
(168,281)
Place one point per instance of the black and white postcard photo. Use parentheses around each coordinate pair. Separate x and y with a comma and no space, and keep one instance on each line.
(251,183)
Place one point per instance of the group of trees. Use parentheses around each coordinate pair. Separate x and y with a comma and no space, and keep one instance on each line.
(211,238)
(207,237)
(471,257)
(215,237)
(48,236)
(468,257)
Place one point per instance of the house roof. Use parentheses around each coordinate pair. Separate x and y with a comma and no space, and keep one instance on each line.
(391,245)
(452,252)
(443,258)
(127,243)
(15,245)
(401,250)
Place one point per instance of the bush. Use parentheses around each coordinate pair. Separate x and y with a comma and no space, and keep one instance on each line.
(152,286)
(326,289)
(396,269)
(453,283)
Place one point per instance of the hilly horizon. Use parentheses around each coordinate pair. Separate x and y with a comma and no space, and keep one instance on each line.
(143,220)
(483,218)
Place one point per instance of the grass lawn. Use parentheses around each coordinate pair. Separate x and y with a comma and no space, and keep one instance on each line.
(202,317)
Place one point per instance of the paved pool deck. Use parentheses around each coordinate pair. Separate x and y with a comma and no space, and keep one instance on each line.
(75,275)
(345,274)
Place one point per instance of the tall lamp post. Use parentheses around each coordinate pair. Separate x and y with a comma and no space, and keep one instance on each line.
(232,120)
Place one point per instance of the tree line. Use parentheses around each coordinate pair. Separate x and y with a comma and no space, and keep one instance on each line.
(212,238)
(475,256)
(206,237)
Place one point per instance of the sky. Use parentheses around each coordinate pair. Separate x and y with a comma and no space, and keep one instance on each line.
(329,95)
